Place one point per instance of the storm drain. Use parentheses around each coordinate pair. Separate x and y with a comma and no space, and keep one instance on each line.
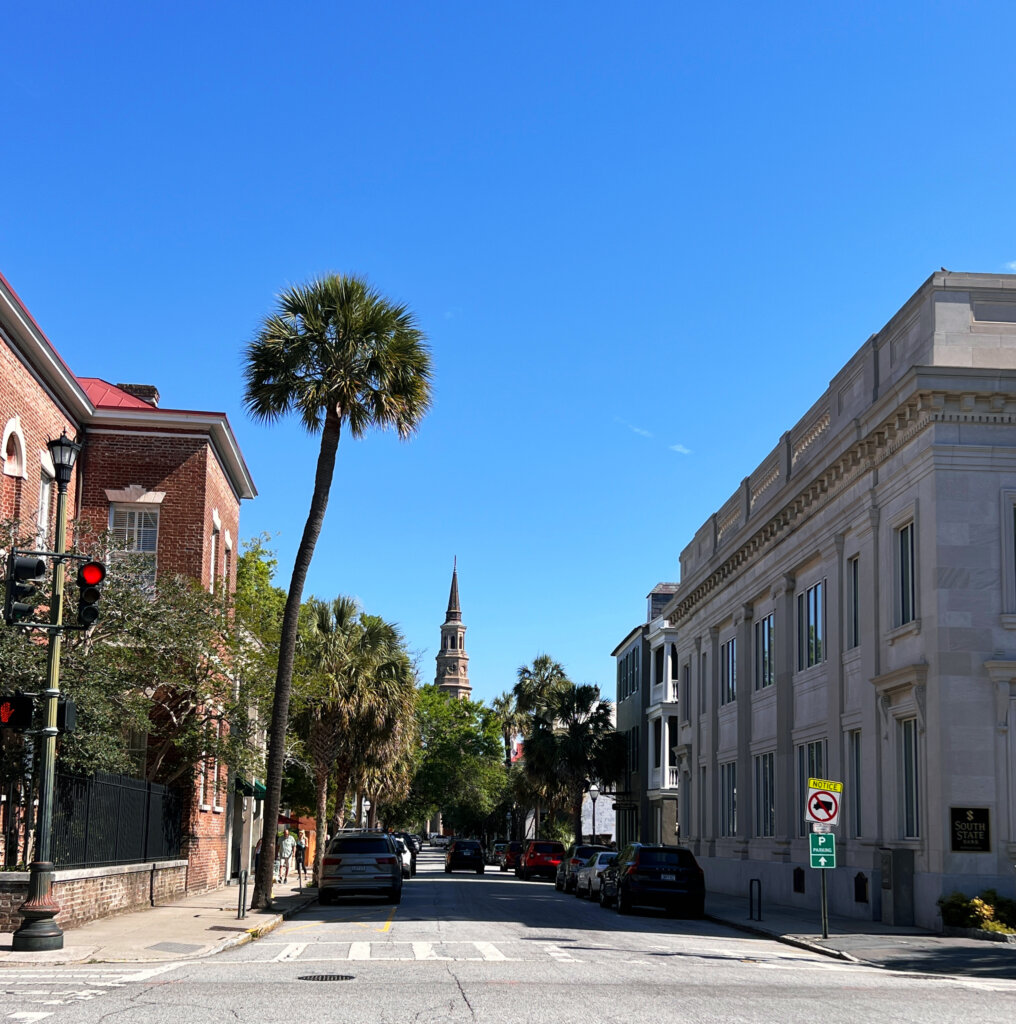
(326,977)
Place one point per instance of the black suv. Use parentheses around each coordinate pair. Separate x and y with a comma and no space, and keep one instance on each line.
(655,876)
(577,855)
(464,854)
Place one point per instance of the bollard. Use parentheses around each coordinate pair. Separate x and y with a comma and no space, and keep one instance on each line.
(241,910)
(754,898)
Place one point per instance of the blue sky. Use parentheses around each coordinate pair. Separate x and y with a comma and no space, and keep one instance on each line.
(640,238)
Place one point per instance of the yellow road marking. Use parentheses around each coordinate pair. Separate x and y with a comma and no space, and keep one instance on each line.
(388,923)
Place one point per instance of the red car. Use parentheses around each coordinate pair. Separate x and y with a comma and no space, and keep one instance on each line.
(540,857)
(509,858)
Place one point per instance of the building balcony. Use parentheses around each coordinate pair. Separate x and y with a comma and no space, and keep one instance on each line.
(664,778)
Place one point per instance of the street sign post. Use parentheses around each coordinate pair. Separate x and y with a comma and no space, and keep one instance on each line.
(822,809)
(822,848)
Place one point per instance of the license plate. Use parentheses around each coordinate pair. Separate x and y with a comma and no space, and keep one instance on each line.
(358,867)
(669,878)
(467,853)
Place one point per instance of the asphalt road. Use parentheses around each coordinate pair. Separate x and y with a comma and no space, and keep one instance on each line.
(495,949)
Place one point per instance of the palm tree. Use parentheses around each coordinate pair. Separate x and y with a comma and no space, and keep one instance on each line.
(339,354)
(536,683)
(574,744)
(511,720)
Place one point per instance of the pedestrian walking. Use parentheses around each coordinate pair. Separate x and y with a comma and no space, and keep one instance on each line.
(301,855)
(286,849)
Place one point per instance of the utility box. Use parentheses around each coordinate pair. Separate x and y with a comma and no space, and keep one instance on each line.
(896,868)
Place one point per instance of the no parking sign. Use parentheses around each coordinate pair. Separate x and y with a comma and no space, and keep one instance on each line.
(823,803)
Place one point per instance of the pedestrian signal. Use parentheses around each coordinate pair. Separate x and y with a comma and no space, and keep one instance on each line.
(17,711)
(24,574)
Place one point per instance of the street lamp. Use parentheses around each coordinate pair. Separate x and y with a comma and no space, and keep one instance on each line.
(39,931)
(366,813)
(594,792)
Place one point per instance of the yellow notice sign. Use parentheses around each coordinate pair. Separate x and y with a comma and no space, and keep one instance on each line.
(825,784)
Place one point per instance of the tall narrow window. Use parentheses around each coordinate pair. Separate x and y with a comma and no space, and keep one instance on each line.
(728,671)
(855,783)
(685,699)
(853,601)
(905,573)
(764,673)
(811,626)
(636,668)
(227,569)
(657,741)
(765,795)
(45,504)
(658,666)
(214,559)
(728,799)
(909,789)
(810,765)
(703,677)
(703,797)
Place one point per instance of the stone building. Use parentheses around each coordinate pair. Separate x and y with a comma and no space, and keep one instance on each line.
(452,661)
(850,614)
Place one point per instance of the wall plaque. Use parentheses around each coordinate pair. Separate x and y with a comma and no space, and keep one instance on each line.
(971,829)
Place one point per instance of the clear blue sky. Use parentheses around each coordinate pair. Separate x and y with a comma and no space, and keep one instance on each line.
(624,228)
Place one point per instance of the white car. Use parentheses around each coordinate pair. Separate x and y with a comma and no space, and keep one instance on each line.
(405,856)
(589,876)
(440,840)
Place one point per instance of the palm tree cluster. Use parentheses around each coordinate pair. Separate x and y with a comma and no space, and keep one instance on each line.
(359,709)
(569,740)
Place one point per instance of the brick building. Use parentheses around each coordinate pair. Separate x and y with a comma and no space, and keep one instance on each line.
(168,482)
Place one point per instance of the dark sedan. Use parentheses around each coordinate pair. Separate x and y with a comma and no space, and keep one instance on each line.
(464,855)
(654,876)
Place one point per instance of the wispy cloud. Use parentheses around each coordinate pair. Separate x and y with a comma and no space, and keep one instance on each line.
(1011,265)
(680,449)
(635,430)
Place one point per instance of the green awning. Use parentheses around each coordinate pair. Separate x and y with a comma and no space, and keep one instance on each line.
(254,788)
(259,791)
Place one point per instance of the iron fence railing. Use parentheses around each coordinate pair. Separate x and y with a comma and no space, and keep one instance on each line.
(114,819)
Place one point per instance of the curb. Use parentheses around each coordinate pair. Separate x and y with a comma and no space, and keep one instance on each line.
(787,940)
(253,934)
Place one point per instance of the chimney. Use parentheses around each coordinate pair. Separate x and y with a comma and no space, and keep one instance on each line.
(146,392)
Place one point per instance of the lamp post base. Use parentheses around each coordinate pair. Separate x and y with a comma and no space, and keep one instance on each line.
(39,931)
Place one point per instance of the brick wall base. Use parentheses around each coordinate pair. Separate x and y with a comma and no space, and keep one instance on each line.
(86,894)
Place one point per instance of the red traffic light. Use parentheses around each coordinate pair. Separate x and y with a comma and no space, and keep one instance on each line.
(6,711)
(91,574)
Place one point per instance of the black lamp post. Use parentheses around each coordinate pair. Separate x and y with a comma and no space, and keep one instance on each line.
(39,930)
(594,792)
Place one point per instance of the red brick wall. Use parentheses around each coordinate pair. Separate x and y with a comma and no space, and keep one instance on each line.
(23,396)
(88,895)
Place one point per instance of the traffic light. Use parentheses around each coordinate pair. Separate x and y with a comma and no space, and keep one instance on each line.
(24,574)
(90,577)
(17,711)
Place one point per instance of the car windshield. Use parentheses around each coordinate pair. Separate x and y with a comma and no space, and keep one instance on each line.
(359,845)
(460,845)
(514,847)
(546,848)
(667,858)
(583,852)
(605,858)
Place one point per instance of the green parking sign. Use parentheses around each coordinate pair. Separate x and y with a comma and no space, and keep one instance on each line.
(822,847)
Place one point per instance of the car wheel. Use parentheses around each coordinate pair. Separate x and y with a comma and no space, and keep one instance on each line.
(412,871)
(504,867)
(396,896)
(570,885)
(447,870)
(325,899)
(557,883)
(622,903)
(699,908)
(525,874)
(604,902)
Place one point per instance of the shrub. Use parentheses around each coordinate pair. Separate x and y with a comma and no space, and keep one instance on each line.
(989,912)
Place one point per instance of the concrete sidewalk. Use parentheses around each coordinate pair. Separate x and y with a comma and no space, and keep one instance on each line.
(195,926)
(869,942)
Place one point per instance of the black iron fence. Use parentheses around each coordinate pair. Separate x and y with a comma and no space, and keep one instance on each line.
(114,819)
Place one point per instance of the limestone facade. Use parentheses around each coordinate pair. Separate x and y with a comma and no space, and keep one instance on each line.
(850,613)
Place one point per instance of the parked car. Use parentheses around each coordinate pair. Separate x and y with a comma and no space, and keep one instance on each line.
(540,857)
(464,854)
(414,848)
(442,841)
(405,856)
(510,856)
(361,863)
(577,855)
(494,853)
(654,876)
(590,875)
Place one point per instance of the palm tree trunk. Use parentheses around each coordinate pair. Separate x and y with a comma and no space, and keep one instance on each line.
(262,896)
(321,773)
(578,820)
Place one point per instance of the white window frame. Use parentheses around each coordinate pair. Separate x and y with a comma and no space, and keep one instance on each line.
(853,601)
(728,798)
(905,557)
(728,671)
(811,623)
(135,511)
(909,775)
(43,513)
(764,661)
(765,794)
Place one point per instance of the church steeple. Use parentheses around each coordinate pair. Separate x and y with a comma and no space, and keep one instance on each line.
(452,660)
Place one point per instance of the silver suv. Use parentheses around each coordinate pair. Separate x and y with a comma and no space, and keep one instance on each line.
(361,863)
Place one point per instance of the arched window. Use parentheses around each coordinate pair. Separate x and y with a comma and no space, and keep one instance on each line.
(14,448)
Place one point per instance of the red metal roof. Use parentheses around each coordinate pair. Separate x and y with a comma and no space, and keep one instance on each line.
(104,395)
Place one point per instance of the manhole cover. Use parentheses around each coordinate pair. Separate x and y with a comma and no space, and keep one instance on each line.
(326,977)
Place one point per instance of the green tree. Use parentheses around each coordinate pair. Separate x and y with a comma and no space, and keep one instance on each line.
(536,685)
(511,721)
(461,767)
(339,354)
(574,744)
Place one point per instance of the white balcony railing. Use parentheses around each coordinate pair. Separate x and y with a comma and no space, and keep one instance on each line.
(672,777)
